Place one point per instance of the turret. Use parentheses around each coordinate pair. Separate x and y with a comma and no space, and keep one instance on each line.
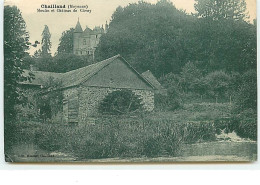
(76,35)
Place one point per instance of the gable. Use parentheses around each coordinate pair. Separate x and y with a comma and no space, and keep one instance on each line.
(77,76)
(148,75)
(118,74)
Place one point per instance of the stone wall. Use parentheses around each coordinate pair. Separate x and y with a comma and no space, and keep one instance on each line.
(68,94)
(147,99)
(90,98)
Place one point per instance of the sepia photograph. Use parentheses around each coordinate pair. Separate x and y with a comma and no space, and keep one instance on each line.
(133,81)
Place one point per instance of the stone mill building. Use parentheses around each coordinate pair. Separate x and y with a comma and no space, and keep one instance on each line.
(83,89)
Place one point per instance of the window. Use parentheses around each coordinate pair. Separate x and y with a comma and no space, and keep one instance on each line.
(96,36)
(84,42)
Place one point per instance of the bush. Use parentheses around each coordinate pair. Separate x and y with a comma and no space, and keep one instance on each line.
(122,137)
(245,128)
(165,102)
(246,95)
(198,132)
(9,136)
(16,133)
(171,101)
(110,138)
(152,146)
(120,102)
(52,137)
(217,84)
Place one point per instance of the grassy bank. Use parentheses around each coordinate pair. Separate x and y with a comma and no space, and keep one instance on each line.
(146,135)
(115,137)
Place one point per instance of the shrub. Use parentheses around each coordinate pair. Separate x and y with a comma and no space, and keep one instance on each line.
(51,137)
(198,132)
(245,128)
(217,84)
(120,102)
(246,95)
(152,146)
(110,137)
(161,102)
(9,135)
(122,136)
(171,101)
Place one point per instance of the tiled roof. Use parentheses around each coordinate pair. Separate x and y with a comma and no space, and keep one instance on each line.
(75,77)
(151,78)
(88,30)
(78,28)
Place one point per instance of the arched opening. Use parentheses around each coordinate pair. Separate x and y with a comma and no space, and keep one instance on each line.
(120,102)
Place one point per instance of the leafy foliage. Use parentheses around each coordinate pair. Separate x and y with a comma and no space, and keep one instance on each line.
(66,42)
(46,41)
(16,42)
(245,128)
(60,63)
(163,39)
(246,96)
(221,9)
(119,137)
(67,62)
(148,36)
(217,83)
(120,102)
(50,99)
(189,75)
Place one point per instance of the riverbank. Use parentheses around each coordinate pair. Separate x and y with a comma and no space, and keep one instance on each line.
(227,151)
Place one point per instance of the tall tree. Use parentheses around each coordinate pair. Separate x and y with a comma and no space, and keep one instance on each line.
(149,36)
(16,42)
(227,41)
(66,42)
(46,41)
(221,9)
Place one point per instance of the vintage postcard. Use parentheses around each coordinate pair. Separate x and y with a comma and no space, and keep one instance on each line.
(130,81)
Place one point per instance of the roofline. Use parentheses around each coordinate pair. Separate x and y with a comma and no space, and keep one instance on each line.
(137,72)
(112,60)
(115,57)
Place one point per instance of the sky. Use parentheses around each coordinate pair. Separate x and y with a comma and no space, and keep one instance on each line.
(101,11)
